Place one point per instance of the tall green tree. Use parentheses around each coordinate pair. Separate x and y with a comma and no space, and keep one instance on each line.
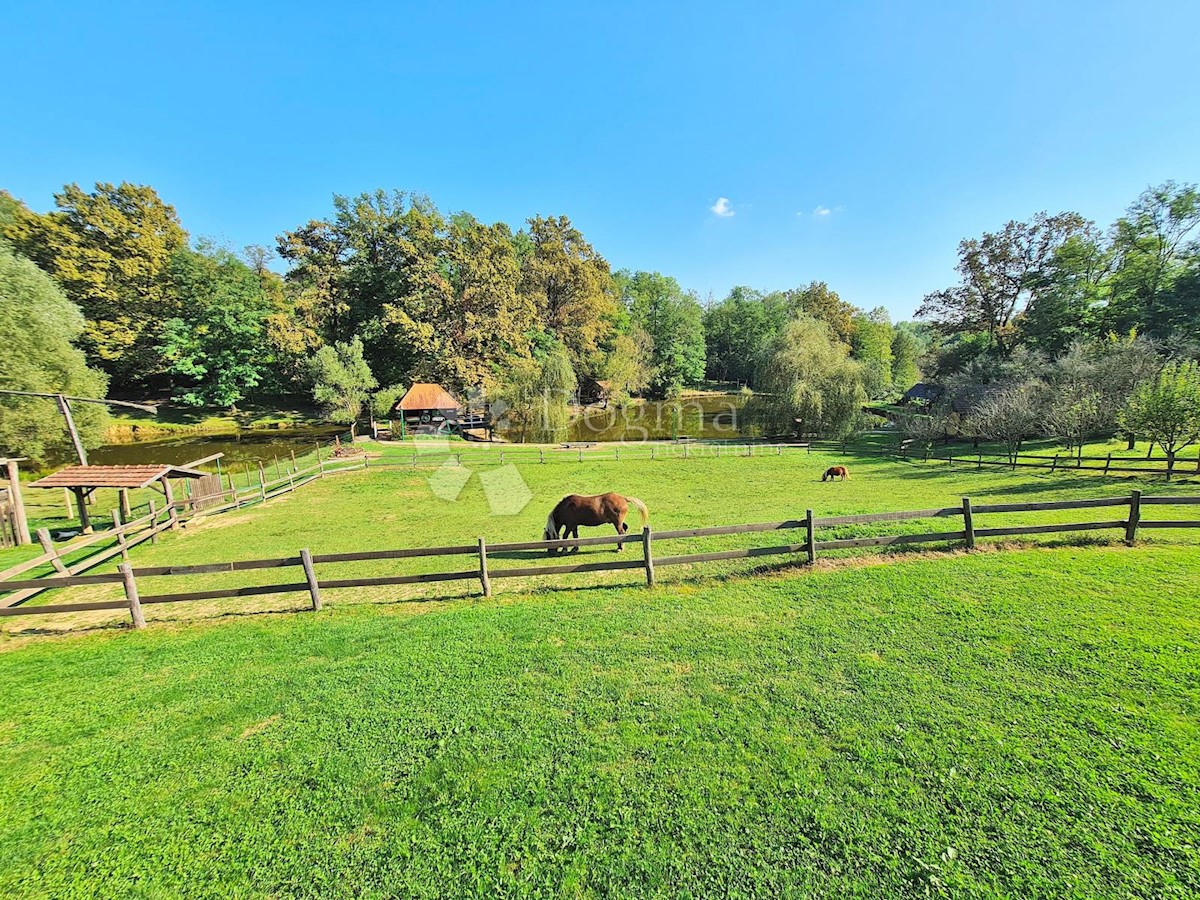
(110,249)
(38,326)
(216,348)
(907,349)
(872,345)
(674,321)
(1001,273)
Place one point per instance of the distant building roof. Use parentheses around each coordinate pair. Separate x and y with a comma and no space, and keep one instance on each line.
(113,476)
(923,390)
(427,396)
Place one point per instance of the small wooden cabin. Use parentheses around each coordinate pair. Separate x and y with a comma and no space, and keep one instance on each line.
(427,407)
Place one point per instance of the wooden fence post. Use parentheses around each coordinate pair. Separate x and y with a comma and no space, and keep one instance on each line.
(968,523)
(685,450)
(1107,463)
(293,452)
(979,462)
(262,483)
(810,537)
(581,454)
(153,521)
(121,542)
(310,575)
(20,521)
(647,555)
(131,594)
(652,451)
(1135,516)
(126,511)
(484,580)
(43,536)
(616,452)
(1054,465)
(541,454)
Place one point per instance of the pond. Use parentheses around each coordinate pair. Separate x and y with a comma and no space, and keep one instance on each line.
(708,416)
(242,447)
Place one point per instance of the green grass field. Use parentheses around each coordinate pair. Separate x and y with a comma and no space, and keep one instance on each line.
(1018,723)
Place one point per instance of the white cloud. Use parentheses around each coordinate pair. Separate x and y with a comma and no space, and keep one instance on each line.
(722,208)
(822,211)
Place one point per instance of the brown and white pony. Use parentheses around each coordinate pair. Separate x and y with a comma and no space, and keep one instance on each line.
(836,472)
(601,509)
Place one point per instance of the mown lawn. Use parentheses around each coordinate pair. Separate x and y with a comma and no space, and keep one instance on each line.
(999,724)
(1014,723)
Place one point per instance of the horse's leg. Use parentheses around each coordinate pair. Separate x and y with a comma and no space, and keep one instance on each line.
(621,529)
(575,535)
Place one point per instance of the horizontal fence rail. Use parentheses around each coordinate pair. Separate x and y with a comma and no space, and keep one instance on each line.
(810,546)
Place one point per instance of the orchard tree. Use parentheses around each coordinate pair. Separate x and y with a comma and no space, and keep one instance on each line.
(1166,409)
(1009,416)
(38,325)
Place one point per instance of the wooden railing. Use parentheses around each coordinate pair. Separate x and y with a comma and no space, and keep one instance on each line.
(485,556)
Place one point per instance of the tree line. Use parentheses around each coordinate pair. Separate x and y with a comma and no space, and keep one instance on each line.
(107,291)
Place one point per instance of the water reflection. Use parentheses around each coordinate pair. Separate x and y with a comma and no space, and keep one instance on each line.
(704,416)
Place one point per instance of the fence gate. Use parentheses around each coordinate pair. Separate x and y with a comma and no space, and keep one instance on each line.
(207,492)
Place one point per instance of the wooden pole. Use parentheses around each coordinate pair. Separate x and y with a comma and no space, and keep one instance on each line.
(968,523)
(810,536)
(64,407)
(310,575)
(1107,463)
(262,483)
(172,512)
(541,454)
(278,473)
(120,529)
(18,503)
(153,521)
(85,521)
(647,555)
(131,594)
(67,503)
(126,510)
(1135,516)
(484,580)
(293,452)
(43,536)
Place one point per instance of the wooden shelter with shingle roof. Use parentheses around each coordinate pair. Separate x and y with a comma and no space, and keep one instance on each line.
(83,480)
(429,407)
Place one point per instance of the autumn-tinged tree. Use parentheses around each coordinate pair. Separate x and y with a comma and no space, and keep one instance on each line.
(109,250)
(571,287)
(824,305)
(37,327)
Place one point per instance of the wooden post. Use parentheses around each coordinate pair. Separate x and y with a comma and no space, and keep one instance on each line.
(685,450)
(541,454)
(1054,465)
(484,580)
(278,473)
(67,503)
(172,512)
(310,575)
(131,594)
(779,449)
(979,462)
(1135,516)
(126,510)
(652,451)
(968,523)
(18,503)
(617,454)
(64,407)
(581,454)
(647,555)
(120,529)
(262,482)
(810,536)
(43,536)
(501,457)
(1107,463)
(153,522)
(85,521)
(293,452)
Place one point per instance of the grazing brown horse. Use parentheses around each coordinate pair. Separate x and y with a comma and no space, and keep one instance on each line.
(836,472)
(575,510)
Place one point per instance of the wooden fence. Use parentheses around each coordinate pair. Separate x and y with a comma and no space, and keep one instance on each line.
(1059,462)
(484,556)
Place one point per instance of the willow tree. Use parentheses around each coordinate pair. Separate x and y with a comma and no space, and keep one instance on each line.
(38,325)
(809,384)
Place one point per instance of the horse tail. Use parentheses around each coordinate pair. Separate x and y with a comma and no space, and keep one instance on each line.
(641,508)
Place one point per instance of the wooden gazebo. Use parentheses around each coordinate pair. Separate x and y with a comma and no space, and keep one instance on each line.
(83,480)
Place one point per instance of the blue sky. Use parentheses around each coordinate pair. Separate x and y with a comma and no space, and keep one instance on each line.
(911,125)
